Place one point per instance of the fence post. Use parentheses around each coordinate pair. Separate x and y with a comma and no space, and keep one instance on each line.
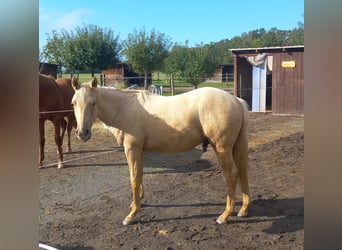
(145,82)
(172,85)
(101,79)
(240,87)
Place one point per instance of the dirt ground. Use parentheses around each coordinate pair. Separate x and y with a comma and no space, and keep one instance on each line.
(82,205)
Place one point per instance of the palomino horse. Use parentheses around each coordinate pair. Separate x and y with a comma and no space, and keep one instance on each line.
(54,97)
(182,121)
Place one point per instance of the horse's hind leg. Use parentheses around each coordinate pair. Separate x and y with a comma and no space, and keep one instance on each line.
(69,128)
(58,140)
(241,159)
(242,162)
(225,159)
(41,141)
(63,127)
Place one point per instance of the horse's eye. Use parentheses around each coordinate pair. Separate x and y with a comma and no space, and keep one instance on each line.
(94,103)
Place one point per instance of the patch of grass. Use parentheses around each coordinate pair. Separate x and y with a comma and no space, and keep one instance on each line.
(84,77)
(161,80)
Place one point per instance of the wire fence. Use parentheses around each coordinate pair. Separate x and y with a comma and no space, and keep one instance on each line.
(117,80)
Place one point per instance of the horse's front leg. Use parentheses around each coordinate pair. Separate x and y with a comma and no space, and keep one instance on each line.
(141,193)
(135,163)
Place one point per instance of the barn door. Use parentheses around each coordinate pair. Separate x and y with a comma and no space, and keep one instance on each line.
(259,88)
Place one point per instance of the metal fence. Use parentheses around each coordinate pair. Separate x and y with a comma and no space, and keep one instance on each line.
(163,79)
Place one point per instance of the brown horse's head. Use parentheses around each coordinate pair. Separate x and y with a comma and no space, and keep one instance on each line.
(84,102)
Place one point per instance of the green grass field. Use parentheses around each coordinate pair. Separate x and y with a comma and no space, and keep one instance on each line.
(163,80)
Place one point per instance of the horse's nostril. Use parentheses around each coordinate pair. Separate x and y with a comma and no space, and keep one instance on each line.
(82,133)
(77,132)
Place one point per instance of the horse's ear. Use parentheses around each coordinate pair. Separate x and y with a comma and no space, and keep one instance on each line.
(74,82)
(94,82)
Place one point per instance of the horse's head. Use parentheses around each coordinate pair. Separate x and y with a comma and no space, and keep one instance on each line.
(84,102)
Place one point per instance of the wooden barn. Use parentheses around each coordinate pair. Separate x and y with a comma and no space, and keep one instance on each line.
(48,69)
(121,74)
(270,78)
(227,72)
(223,74)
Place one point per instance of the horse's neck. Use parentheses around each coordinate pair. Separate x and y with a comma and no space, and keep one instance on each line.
(110,104)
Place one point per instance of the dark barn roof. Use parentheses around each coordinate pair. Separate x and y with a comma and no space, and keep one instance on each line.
(48,69)
(267,49)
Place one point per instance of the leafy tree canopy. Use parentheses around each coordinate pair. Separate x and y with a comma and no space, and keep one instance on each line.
(145,52)
(192,65)
(88,47)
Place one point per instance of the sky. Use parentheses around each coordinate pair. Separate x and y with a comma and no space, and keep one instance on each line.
(198,22)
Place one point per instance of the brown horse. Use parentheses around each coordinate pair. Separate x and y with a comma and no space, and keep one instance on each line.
(54,105)
(67,92)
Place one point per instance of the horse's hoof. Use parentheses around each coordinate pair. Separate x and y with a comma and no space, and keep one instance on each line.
(220,222)
(127,222)
(240,214)
(60,165)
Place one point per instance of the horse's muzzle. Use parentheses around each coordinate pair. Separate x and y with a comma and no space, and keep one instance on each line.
(83,134)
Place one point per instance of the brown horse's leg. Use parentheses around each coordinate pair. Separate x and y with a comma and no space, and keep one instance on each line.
(63,126)
(41,141)
(135,163)
(69,128)
(205,144)
(225,159)
(58,140)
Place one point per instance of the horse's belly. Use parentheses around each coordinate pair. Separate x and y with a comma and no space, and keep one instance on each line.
(171,144)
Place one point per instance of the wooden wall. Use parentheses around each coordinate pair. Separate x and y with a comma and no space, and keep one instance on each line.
(123,74)
(288,84)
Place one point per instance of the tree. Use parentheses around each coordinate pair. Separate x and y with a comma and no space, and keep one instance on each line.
(53,51)
(192,65)
(77,50)
(296,36)
(145,52)
(87,48)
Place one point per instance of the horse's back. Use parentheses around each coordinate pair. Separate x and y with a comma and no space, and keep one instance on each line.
(217,99)
(199,105)
(187,119)
(67,91)
(50,96)
(211,101)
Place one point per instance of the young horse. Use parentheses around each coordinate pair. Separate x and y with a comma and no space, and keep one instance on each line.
(182,121)
(53,98)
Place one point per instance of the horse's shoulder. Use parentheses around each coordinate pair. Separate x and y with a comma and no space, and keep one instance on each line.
(64,80)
